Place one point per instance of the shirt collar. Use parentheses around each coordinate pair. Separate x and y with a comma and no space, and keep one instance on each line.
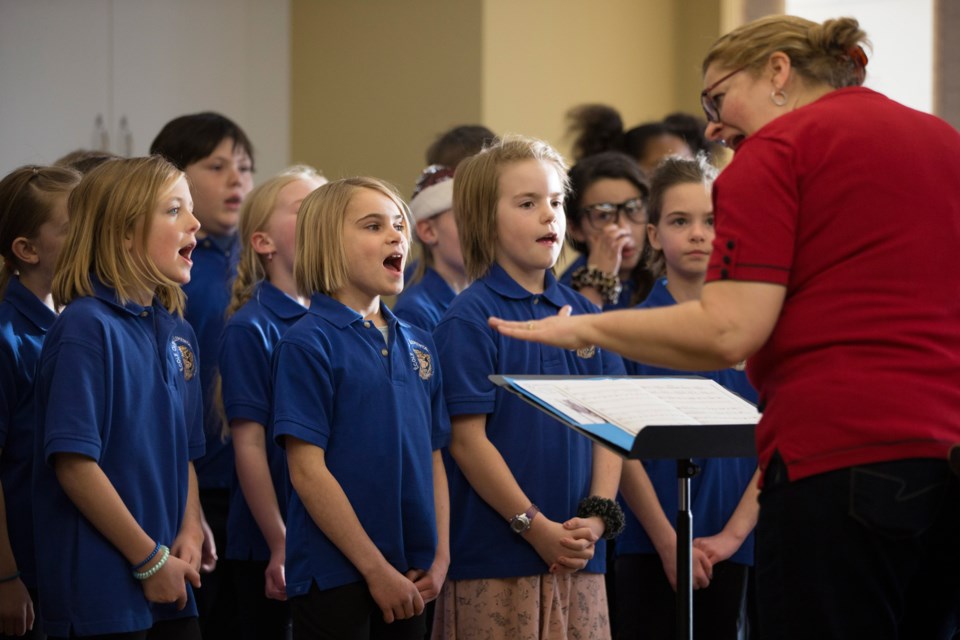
(108,295)
(339,314)
(434,283)
(282,305)
(24,301)
(501,282)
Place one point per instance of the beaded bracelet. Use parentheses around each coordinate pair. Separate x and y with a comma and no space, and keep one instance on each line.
(607,285)
(10,578)
(164,556)
(156,549)
(605,509)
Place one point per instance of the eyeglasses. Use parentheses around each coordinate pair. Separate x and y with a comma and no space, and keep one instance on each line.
(606,213)
(709,103)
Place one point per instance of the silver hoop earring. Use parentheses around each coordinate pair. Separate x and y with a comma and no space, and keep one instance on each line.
(778,97)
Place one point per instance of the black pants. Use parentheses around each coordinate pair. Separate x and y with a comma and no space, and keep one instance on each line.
(260,617)
(348,613)
(865,552)
(217,597)
(180,629)
(647,604)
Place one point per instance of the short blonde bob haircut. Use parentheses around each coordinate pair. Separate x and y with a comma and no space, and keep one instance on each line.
(476,195)
(830,53)
(257,210)
(114,203)
(321,265)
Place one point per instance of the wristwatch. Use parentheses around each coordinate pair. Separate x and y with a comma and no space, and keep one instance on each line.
(522,522)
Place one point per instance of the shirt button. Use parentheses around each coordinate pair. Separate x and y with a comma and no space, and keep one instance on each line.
(144,313)
(726,259)
(384,352)
(536,301)
(730,244)
(724,274)
(366,324)
(206,244)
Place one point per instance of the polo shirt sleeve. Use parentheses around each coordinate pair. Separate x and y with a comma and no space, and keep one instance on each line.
(756,201)
(245,372)
(303,394)
(468,354)
(77,401)
(440,432)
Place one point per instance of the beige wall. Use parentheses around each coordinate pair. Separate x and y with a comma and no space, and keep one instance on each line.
(542,57)
(374,82)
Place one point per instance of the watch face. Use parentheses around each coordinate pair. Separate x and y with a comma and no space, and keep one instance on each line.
(520,523)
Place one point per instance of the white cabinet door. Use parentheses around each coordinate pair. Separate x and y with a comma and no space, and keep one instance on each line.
(176,57)
(135,65)
(54,78)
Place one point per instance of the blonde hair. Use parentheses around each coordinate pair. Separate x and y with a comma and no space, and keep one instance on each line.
(669,173)
(107,208)
(476,194)
(321,264)
(26,200)
(829,53)
(258,208)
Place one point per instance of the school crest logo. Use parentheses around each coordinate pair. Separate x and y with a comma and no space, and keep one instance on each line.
(423,361)
(587,352)
(183,354)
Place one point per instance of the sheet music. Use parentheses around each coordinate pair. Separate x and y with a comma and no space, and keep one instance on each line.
(634,403)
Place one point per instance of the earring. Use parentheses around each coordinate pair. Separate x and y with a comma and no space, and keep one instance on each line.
(778,97)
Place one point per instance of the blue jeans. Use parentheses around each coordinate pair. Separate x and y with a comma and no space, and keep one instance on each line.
(864,552)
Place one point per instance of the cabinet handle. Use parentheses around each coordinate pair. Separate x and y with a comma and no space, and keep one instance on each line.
(101,137)
(126,138)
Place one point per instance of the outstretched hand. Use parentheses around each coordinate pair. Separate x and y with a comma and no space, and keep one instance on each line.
(559,330)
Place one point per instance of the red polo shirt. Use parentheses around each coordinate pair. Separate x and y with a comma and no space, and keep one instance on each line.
(853,204)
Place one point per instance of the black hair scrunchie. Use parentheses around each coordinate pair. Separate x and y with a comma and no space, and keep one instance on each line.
(607,510)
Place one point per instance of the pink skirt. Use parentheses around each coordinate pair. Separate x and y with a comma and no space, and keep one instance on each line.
(541,607)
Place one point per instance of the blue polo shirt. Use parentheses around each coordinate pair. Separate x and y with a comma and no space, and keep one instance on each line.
(24,321)
(246,349)
(208,294)
(119,384)
(376,409)
(716,490)
(551,462)
(626,293)
(424,303)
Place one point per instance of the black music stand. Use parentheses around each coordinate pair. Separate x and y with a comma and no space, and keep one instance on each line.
(677,442)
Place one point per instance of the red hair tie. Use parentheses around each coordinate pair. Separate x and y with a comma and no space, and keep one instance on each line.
(859,57)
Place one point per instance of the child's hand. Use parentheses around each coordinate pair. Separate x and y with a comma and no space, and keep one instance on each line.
(564,550)
(208,551)
(718,547)
(606,249)
(188,548)
(701,566)
(16,608)
(395,594)
(430,582)
(169,584)
(275,576)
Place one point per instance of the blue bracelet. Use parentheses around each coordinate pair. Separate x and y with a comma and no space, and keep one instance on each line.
(10,578)
(149,558)
(164,556)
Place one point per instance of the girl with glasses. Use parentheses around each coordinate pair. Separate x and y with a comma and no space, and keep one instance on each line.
(606,215)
